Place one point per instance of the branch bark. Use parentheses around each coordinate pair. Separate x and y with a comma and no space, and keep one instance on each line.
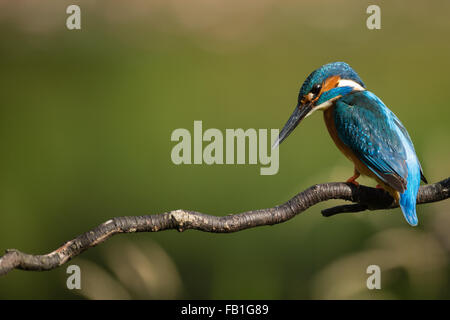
(364,198)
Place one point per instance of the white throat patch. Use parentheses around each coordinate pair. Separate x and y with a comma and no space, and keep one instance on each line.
(323,106)
(350,83)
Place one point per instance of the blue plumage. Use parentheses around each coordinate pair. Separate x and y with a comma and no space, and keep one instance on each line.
(341,69)
(364,129)
(382,143)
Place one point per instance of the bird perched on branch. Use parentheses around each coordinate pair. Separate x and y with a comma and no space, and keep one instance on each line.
(364,130)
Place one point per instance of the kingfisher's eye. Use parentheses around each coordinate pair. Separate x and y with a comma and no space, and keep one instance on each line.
(316,89)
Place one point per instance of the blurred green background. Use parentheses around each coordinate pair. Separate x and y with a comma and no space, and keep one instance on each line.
(86,118)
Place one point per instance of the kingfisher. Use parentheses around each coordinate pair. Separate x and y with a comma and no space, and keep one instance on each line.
(366,131)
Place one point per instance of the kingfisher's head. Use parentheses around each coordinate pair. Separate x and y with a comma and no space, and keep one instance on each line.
(319,91)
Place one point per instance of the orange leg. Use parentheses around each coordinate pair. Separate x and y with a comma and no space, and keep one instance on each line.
(352,179)
(379,187)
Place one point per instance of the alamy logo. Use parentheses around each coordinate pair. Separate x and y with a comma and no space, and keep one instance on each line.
(373,22)
(73,22)
(374,280)
(236,141)
(74,280)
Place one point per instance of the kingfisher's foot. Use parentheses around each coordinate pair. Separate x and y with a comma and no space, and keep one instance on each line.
(352,179)
(379,187)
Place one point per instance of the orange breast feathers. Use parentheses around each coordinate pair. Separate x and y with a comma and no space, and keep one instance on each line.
(359,165)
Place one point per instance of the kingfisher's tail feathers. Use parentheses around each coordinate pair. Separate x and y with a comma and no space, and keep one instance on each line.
(408,206)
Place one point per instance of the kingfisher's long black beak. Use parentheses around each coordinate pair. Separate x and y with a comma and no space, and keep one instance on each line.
(300,112)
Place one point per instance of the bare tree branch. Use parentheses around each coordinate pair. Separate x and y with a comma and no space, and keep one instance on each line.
(365,198)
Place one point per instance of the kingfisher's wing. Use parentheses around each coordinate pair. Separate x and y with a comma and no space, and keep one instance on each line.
(406,134)
(372,132)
